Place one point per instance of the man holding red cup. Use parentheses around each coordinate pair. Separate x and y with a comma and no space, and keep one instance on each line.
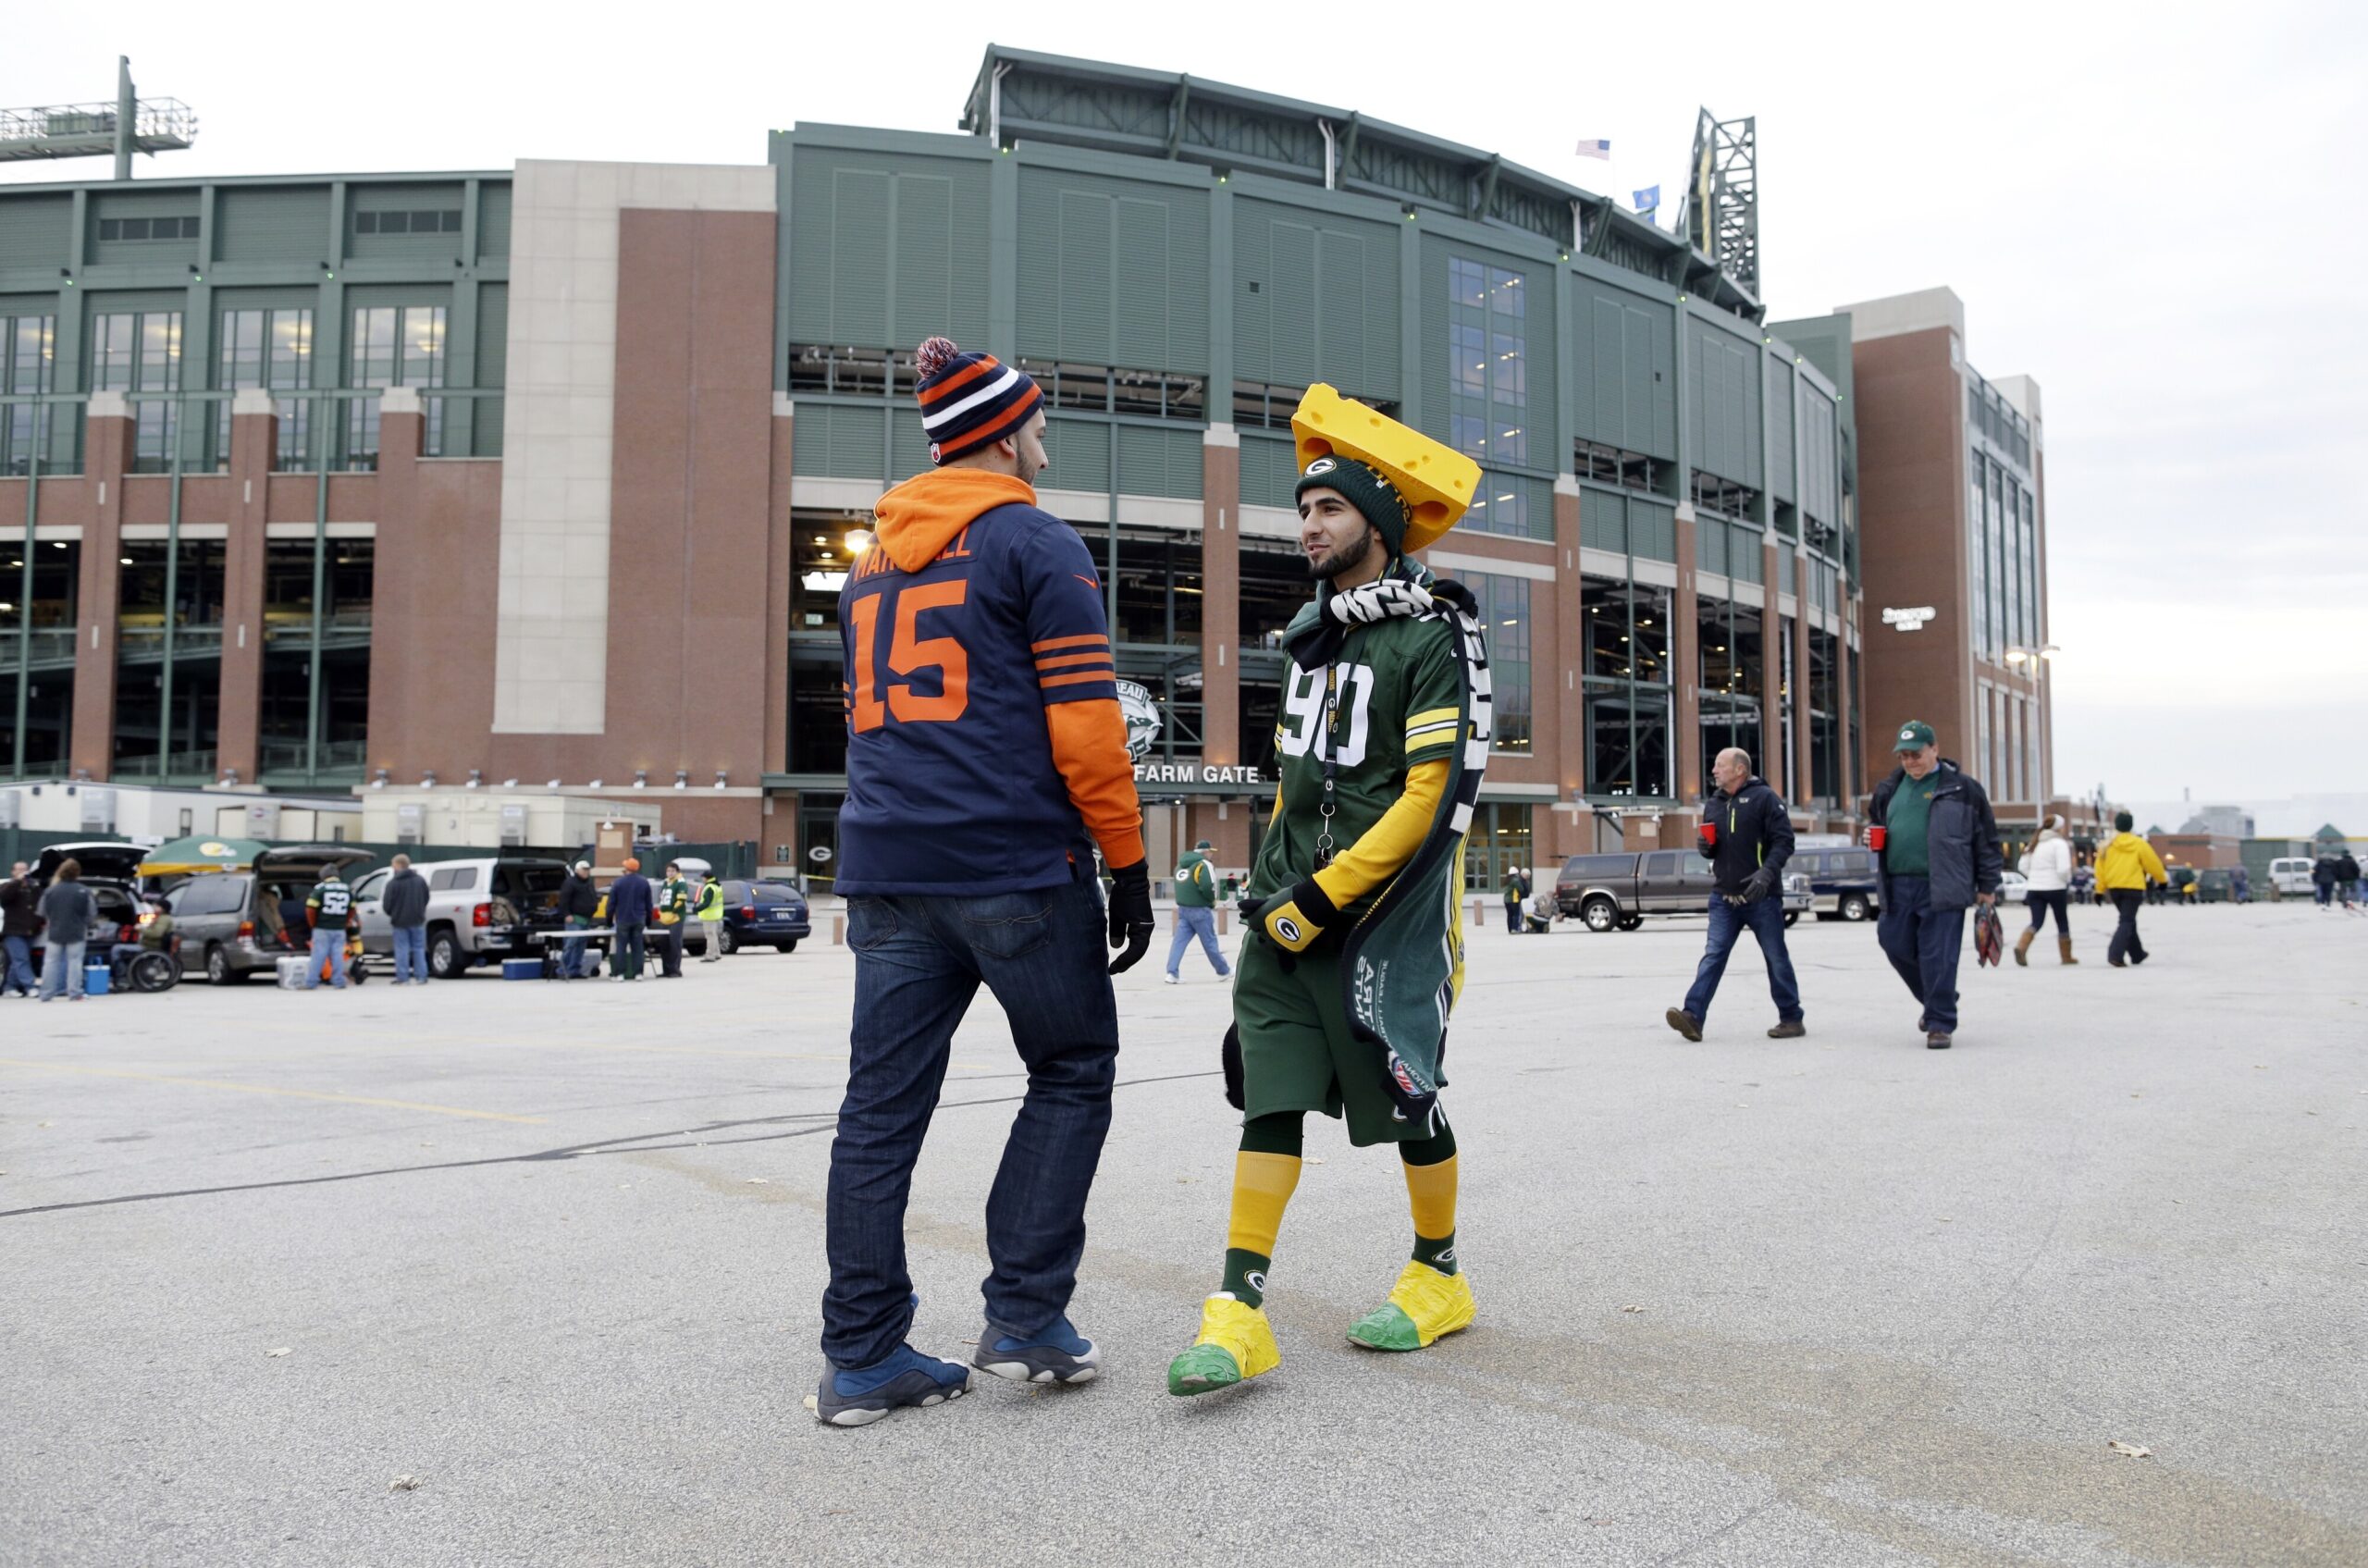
(1936,855)
(1746,834)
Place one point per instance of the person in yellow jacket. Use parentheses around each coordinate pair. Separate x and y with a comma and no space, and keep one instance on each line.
(709,909)
(2125,868)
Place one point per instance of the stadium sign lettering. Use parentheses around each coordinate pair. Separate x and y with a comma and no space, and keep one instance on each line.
(1190,773)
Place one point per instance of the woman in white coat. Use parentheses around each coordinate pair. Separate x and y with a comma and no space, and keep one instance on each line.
(2047,873)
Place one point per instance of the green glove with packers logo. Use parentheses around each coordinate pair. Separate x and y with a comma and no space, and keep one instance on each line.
(1294,919)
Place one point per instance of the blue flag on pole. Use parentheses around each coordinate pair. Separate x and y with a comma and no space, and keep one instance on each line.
(1649,201)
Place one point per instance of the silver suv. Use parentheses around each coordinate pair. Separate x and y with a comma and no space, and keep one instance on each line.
(478,912)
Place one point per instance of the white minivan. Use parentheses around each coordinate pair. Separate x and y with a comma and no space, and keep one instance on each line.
(2291,875)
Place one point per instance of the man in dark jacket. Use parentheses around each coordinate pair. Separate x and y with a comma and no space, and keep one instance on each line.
(1746,835)
(405,902)
(1936,854)
(68,913)
(18,923)
(579,905)
(632,906)
(2347,877)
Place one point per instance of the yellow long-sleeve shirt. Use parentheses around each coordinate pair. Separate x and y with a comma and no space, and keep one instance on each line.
(2128,862)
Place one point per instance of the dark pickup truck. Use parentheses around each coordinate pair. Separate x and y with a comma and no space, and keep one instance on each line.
(1617,892)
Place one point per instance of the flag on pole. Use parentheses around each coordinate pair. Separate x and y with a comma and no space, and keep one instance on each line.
(1648,202)
(1598,147)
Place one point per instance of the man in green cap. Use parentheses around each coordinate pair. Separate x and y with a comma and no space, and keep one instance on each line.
(1353,957)
(1936,855)
(1196,913)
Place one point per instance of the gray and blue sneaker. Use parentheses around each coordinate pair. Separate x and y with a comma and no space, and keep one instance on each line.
(1058,1354)
(859,1396)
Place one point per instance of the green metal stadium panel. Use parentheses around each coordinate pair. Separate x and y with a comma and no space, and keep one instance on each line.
(1652,529)
(1722,403)
(1747,554)
(840,440)
(908,442)
(1603,519)
(1820,461)
(1783,469)
(1080,452)
(493,221)
(1316,299)
(493,365)
(1267,469)
(1112,272)
(37,231)
(1153,462)
(273,223)
(885,249)
(1627,370)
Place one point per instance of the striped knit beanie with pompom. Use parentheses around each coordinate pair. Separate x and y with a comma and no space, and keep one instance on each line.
(969,399)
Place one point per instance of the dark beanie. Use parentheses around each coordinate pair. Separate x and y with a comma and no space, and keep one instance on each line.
(1366,490)
(969,399)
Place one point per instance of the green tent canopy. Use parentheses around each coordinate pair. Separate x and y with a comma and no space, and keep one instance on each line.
(196,857)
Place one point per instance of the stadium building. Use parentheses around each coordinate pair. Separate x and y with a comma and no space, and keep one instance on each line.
(545,479)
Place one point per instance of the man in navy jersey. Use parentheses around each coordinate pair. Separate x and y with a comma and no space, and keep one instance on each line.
(986,761)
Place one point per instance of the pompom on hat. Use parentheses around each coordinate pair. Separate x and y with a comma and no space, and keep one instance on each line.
(969,399)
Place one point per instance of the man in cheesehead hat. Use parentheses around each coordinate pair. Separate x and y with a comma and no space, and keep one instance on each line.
(1353,959)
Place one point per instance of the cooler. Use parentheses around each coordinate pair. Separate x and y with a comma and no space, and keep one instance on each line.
(94,980)
(522,968)
(292,968)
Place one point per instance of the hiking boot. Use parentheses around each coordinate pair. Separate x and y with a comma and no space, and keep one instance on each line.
(1236,1343)
(1936,1039)
(1788,1028)
(2023,947)
(1424,1307)
(1686,1023)
(859,1396)
(1059,1355)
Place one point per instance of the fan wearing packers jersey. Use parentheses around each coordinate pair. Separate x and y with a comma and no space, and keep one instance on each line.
(1380,746)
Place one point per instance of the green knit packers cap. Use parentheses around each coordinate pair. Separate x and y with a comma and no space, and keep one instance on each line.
(1373,497)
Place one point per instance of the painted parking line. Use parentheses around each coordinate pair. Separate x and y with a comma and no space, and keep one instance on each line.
(411,1037)
(285,1094)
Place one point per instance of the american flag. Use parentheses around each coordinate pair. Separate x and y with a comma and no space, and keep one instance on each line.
(1599,147)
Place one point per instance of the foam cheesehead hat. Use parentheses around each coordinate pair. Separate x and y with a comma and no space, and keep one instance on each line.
(1410,487)
(969,399)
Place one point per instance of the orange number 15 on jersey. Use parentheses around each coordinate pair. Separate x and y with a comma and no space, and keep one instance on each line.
(909,653)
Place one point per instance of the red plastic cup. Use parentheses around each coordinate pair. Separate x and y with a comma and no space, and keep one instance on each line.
(1875,837)
(1709,832)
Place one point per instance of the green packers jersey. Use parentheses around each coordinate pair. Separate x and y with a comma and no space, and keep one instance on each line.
(1397,700)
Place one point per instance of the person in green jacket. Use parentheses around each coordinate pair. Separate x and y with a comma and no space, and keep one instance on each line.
(673,908)
(710,913)
(1196,912)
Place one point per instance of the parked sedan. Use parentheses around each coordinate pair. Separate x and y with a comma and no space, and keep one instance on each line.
(755,914)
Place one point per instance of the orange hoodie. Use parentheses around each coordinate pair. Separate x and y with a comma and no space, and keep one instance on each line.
(915,522)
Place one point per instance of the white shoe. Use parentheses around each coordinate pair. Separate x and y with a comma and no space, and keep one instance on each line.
(1171,980)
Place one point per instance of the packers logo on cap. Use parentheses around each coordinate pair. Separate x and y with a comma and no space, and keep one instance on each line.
(1908,733)
(1322,465)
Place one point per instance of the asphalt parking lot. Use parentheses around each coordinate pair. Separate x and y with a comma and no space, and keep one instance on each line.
(553,1253)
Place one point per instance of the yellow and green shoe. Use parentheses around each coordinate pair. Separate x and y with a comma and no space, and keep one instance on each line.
(1424,1306)
(1236,1343)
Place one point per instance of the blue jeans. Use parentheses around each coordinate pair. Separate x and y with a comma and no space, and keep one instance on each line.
(1923,943)
(1765,920)
(19,974)
(1189,923)
(61,968)
(328,943)
(411,953)
(571,952)
(918,961)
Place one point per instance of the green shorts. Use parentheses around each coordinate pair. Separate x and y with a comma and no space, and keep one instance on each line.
(1298,1053)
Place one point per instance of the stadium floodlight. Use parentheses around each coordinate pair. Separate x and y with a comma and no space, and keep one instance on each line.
(128,125)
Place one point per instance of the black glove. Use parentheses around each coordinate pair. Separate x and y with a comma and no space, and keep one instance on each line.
(1131,920)
(1293,918)
(1230,1057)
(1759,884)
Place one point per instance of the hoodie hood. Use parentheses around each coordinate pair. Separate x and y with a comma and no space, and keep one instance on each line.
(917,519)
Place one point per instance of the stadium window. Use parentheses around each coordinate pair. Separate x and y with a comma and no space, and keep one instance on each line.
(394,346)
(141,351)
(268,349)
(27,365)
(114,229)
(427,220)
(1504,615)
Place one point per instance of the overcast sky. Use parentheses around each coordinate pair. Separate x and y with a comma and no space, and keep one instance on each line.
(2153,212)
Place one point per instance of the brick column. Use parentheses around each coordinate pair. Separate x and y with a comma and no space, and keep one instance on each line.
(255,445)
(780,561)
(108,448)
(1803,768)
(1566,663)
(401,578)
(1685,666)
(1221,600)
